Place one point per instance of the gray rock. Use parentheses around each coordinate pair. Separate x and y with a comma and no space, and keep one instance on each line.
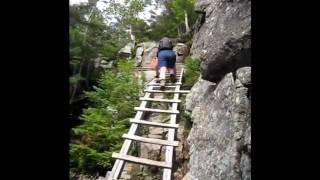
(182,51)
(223,41)
(126,51)
(198,92)
(220,138)
(244,75)
(221,134)
(139,56)
(150,50)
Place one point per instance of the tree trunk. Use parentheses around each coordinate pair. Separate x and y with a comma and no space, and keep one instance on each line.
(75,87)
(186,21)
(133,38)
(88,74)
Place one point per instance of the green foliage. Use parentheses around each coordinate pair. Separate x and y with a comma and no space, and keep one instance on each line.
(90,38)
(173,20)
(192,73)
(178,7)
(111,105)
(163,26)
(139,30)
(87,158)
(75,79)
(184,118)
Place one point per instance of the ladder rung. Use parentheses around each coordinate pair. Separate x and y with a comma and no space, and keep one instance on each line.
(177,74)
(168,75)
(167,91)
(167,78)
(156,110)
(158,84)
(165,125)
(160,100)
(165,86)
(143,161)
(151,140)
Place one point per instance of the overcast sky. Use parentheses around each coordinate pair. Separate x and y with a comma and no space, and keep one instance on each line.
(143,15)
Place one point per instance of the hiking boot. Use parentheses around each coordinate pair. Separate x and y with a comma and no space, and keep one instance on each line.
(157,78)
(173,78)
(162,84)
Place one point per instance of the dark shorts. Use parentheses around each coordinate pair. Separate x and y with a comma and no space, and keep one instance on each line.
(167,58)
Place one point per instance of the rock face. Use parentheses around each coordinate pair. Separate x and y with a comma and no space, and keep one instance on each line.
(220,102)
(221,133)
(223,41)
(200,91)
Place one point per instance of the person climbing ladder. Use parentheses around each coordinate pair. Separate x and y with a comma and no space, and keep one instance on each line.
(166,61)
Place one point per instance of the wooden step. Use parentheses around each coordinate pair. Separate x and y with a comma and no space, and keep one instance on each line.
(178,72)
(156,110)
(158,84)
(160,100)
(168,82)
(167,91)
(177,75)
(151,140)
(168,78)
(164,125)
(165,86)
(141,160)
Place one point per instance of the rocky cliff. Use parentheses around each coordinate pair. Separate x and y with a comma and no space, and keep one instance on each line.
(220,138)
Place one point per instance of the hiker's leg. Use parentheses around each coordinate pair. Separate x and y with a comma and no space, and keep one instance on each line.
(163,70)
(171,71)
(164,61)
(162,66)
(171,66)
(157,71)
(162,78)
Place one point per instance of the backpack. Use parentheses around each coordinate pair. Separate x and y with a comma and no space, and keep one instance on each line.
(165,43)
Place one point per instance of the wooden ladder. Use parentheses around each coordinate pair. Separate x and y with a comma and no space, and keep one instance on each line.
(170,143)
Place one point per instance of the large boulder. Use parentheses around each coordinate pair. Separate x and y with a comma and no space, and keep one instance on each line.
(126,51)
(182,51)
(223,41)
(150,51)
(220,139)
(199,91)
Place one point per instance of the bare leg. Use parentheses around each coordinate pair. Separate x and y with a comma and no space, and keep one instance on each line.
(171,71)
(163,71)
(162,77)
(172,75)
